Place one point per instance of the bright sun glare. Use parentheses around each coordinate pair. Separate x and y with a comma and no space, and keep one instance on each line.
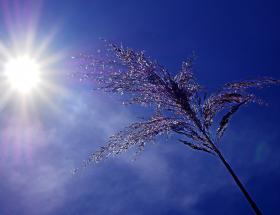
(22,73)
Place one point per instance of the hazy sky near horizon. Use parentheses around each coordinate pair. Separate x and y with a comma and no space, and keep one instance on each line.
(39,147)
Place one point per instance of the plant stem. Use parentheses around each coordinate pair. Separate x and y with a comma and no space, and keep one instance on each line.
(239,184)
(197,122)
(234,176)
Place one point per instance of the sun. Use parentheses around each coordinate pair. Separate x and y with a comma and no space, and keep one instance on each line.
(22,73)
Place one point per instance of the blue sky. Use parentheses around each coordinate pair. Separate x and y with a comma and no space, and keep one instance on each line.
(233,40)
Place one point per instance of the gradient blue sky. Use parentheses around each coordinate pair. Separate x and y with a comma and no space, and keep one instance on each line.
(232,39)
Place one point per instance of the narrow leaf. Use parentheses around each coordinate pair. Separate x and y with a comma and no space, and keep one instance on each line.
(196,146)
(226,118)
